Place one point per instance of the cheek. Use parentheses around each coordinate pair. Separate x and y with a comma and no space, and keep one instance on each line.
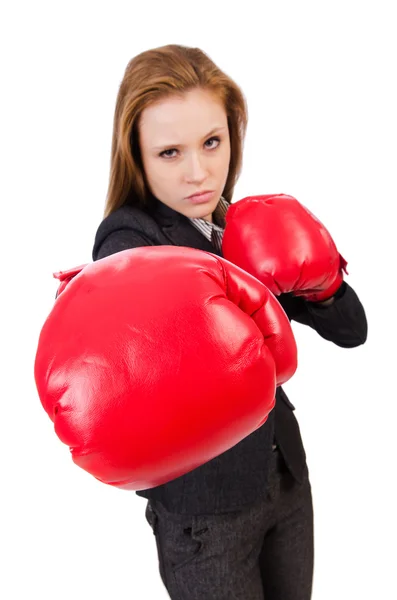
(167,177)
(157,172)
(224,164)
(147,166)
(225,154)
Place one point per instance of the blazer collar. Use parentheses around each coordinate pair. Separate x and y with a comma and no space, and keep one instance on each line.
(177,228)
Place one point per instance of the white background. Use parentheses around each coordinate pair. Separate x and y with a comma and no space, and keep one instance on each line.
(319,79)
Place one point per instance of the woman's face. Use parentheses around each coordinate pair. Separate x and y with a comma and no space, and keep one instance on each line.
(185,148)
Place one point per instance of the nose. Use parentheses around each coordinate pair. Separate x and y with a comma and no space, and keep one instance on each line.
(196,168)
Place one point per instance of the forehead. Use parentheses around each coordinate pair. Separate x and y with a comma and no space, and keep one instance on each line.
(194,112)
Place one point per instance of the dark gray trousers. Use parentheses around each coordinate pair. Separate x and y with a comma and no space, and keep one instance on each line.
(261,552)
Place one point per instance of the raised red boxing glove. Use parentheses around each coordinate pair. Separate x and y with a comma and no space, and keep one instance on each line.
(66,276)
(281,243)
(155,360)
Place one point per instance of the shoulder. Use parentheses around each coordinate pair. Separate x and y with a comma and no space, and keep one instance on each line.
(128,226)
(125,216)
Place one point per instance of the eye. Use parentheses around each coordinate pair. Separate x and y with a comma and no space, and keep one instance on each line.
(217,139)
(165,154)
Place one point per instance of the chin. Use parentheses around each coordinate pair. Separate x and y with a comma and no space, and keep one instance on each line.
(208,209)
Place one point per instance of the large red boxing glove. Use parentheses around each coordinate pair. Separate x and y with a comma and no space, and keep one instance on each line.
(281,243)
(155,360)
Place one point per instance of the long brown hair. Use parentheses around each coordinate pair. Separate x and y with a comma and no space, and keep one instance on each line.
(149,77)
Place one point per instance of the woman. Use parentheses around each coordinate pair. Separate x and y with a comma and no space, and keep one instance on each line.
(241,525)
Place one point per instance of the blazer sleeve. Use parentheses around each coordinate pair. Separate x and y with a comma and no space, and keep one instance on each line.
(343,322)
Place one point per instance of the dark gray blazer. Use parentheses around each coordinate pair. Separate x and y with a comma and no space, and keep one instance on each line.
(238,476)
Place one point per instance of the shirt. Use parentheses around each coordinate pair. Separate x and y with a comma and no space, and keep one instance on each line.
(214,231)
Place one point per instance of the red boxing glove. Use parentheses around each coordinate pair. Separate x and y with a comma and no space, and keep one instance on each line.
(66,276)
(281,243)
(155,360)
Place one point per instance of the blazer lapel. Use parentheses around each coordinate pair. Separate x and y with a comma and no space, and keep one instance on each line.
(179,230)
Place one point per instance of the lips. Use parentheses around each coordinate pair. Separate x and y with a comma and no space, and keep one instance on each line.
(198,194)
(202,198)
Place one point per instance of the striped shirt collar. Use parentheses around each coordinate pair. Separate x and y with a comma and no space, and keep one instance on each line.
(218,217)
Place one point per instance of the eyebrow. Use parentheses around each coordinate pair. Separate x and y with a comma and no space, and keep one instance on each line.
(213,130)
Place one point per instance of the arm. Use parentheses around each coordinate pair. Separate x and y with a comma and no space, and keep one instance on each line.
(342,322)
